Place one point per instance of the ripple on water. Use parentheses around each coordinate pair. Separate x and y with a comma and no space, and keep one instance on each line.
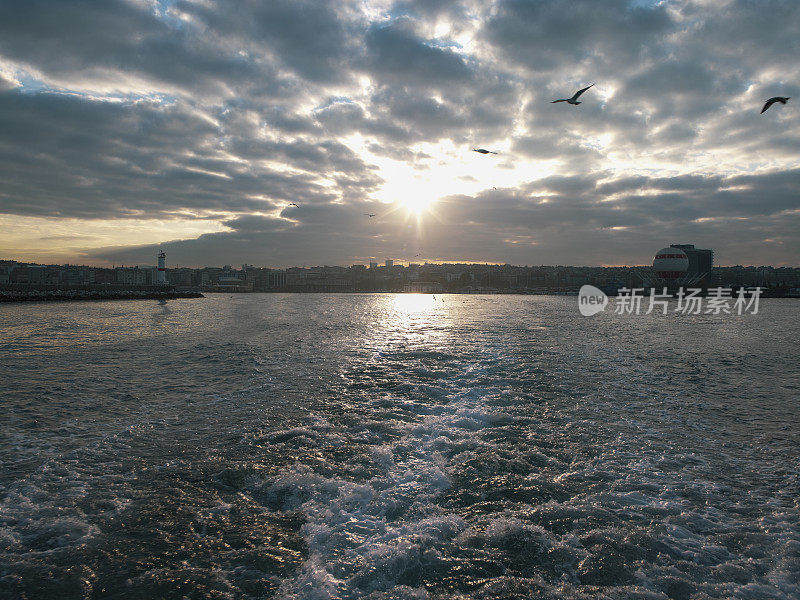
(500,448)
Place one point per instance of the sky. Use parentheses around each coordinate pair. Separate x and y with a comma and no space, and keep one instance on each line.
(128,126)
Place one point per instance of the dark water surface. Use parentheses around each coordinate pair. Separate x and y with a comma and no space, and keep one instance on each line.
(393,446)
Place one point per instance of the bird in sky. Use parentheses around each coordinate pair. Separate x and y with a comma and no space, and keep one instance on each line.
(574,99)
(483,151)
(771,101)
(370,215)
(293,204)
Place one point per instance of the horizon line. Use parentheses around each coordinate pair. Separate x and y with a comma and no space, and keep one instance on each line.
(397,263)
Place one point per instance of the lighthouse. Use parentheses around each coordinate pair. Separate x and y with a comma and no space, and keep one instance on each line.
(161,276)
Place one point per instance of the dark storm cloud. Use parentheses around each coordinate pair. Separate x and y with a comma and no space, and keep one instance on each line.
(328,156)
(548,35)
(747,35)
(549,146)
(671,199)
(556,220)
(397,56)
(410,115)
(312,38)
(435,91)
(257,224)
(430,118)
(110,159)
(567,219)
(306,238)
(681,71)
(342,118)
(113,38)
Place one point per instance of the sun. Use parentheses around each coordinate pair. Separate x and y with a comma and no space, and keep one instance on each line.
(417,204)
(413,195)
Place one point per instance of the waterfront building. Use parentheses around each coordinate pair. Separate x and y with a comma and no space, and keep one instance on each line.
(701,261)
(424,287)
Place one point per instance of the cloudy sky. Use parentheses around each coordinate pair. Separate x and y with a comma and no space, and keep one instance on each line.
(191,125)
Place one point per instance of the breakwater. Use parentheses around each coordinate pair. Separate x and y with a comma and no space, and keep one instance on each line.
(34,293)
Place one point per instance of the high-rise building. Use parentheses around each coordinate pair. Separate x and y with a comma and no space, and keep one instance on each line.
(389,263)
(700,260)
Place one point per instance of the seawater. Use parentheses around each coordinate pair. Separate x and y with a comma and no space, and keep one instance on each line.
(397,446)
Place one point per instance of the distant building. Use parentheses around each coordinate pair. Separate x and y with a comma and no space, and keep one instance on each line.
(77,275)
(318,280)
(277,280)
(29,273)
(373,265)
(134,275)
(182,277)
(701,261)
(6,268)
(389,263)
(104,276)
(424,287)
(232,284)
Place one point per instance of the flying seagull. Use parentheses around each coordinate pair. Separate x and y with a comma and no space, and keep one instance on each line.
(293,204)
(483,151)
(574,99)
(772,101)
(370,215)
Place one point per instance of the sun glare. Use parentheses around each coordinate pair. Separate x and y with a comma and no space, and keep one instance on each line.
(448,170)
(410,304)
(417,204)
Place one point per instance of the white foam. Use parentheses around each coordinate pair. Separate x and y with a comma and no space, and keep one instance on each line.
(364,537)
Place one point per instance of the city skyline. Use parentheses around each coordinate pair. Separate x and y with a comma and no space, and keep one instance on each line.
(307,132)
(379,260)
(699,259)
(688,267)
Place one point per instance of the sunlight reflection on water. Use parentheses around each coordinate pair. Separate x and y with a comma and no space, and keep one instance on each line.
(400,445)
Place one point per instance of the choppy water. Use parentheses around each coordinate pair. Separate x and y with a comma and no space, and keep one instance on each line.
(393,446)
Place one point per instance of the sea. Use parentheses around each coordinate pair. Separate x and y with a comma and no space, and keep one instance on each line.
(397,446)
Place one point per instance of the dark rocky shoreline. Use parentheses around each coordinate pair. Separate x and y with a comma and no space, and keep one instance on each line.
(34,295)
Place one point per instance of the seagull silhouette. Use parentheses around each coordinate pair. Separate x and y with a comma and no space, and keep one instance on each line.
(771,101)
(483,151)
(574,99)
(370,215)
(293,204)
